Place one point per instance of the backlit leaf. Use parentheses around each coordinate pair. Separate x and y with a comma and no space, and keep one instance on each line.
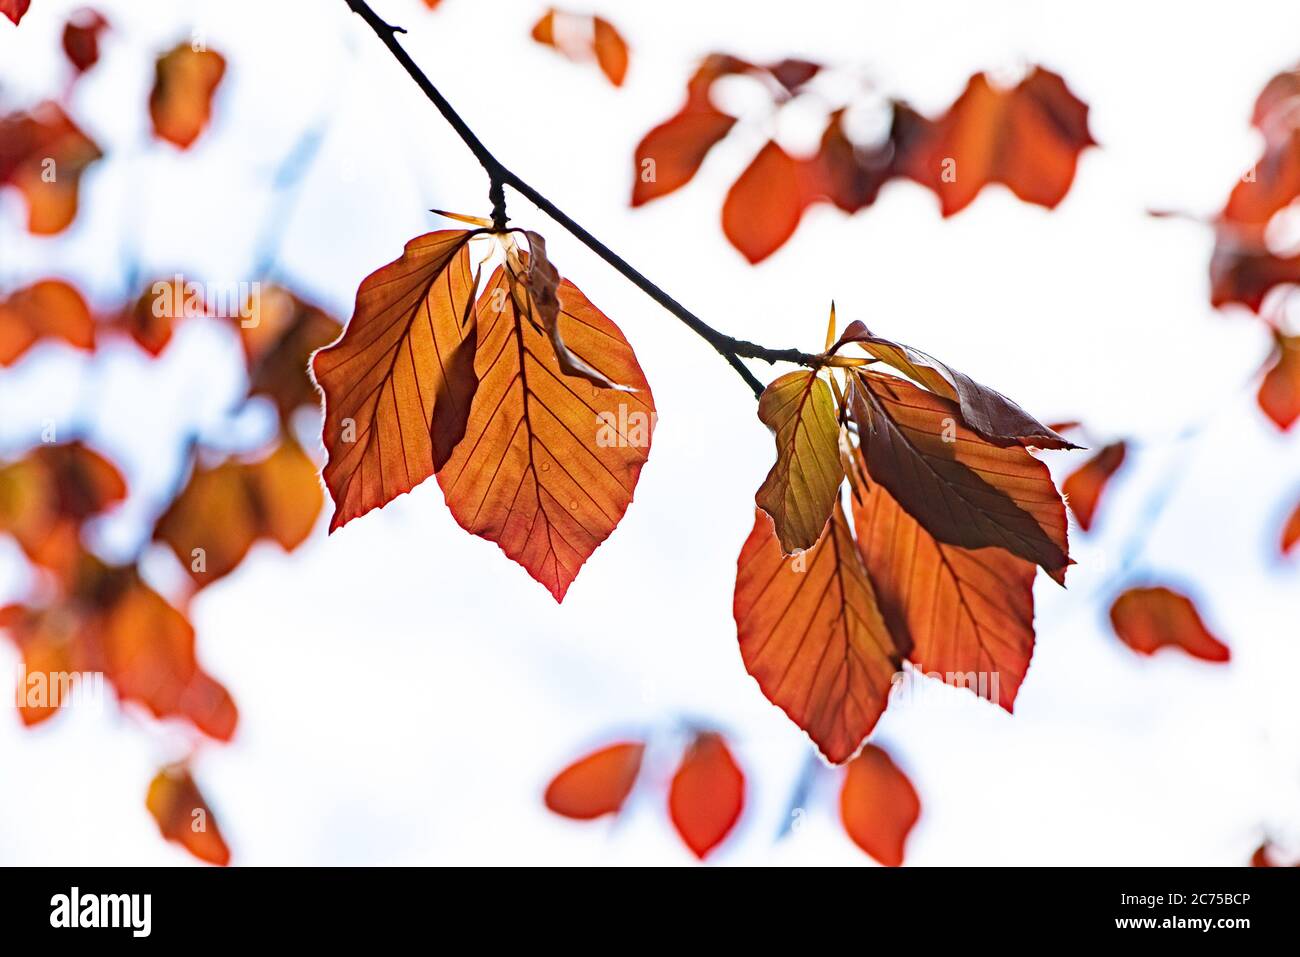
(49,309)
(46,497)
(279,346)
(987,411)
(183,815)
(14,9)
(1028,138)
(81,38)
(1246,272)
(803,485)
(222,511)
(398,384)
(966,615)
(707,794)
(1084,486)
(878,805)
(43,154)
(812,636)
(549,461)
(1148,619)
(580,37)
(763,207)
(963,489)
(1279,391)
(1291,532)
(596,784)
(180,104)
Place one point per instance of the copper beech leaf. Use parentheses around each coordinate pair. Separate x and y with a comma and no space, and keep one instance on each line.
(802,486)
(1027,137)
(43,154)
(14,9)
(549,461)
(49,494)
(49,309)
(278,349)
(962,488)
(967,615)
(399,382)
(707,794)
(1084,486)
(596,784)
(180,103)
(1279,390)
(223,510)
(878,805)
(812,635)
(1148,619)
(1290,532)
(81,38)
(987,411)
(580,37)
(183,815)
(764,205)
(108,620)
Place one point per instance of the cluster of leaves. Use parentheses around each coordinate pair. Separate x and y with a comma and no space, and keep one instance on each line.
(1027,137)
(85,615)
(706,795)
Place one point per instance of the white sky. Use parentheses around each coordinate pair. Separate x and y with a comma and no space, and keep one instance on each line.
(406,692)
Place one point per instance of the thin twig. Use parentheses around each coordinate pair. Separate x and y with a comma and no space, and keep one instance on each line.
(731,349)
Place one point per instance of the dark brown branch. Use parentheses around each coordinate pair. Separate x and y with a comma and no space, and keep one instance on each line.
(731,349)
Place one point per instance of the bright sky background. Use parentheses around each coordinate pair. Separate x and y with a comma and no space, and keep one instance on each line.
(406,692)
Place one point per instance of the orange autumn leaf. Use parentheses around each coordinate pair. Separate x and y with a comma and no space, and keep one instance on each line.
(222,511)
(967,615)
(49,494)
(707,794)
(1084,486)
(106,619)
(183,815)
(845,174)
(1290,532)
(803,485)
(278,347)
(549,461)
(812,635)
(1148,619)
(670,155)
(49,309)
(763,207)
(14,9)
(51,648)
(43,154)
(1028,138)
(399,382)
(878,805)
(81,38)
(987,411)
(180,103)
(1279,391)
(596,784)
(1245,272)
(963,489)
(580,37)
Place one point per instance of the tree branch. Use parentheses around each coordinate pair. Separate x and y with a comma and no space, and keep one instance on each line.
(730,348)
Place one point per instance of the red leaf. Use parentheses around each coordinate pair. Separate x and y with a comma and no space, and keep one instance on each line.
(878,805)
(707,794)
(966,614)
(1291,532)
(81,38)
(183,815)
(32,147)
(14,9)
(763,207)
(50,309)
(596,784)
(1147,619)
(1027,138)
(1279,391)
(1084,486)
(812,636)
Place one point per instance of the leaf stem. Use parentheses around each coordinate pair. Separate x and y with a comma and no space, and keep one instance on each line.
(730,348)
